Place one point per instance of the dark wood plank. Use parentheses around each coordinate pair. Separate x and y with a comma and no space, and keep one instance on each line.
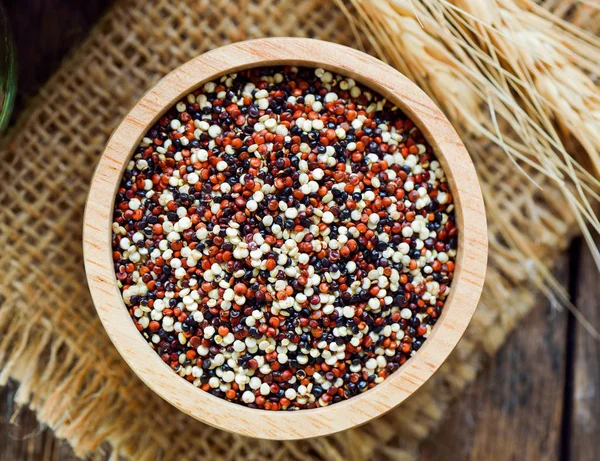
(21,436)
(513,411)
(44,31)
(584,441)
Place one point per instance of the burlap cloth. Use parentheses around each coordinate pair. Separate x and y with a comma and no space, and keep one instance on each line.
(50,337)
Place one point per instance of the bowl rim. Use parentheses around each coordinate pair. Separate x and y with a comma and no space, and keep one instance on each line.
(470,262)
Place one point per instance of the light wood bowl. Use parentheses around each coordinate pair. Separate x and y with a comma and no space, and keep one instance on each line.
(470,263)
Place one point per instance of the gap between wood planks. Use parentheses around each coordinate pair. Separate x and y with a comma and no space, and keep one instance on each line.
(539,397)
(567,409)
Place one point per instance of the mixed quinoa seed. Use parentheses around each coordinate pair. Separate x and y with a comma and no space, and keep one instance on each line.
(284,238)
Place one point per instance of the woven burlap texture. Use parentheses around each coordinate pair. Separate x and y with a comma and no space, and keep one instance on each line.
(51,340)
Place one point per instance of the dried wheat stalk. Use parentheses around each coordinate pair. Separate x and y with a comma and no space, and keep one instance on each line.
(511,73)
(584,13)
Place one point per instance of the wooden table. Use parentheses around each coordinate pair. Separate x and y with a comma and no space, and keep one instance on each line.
(538,399)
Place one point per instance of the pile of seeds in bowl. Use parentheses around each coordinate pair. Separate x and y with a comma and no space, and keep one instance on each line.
(284,238)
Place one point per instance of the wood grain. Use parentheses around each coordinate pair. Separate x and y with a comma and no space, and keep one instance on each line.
(21,436)
(44,31)
(514,410)
(471,260)
(584,442)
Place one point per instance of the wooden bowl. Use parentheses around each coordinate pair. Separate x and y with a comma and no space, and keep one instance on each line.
(470,262)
